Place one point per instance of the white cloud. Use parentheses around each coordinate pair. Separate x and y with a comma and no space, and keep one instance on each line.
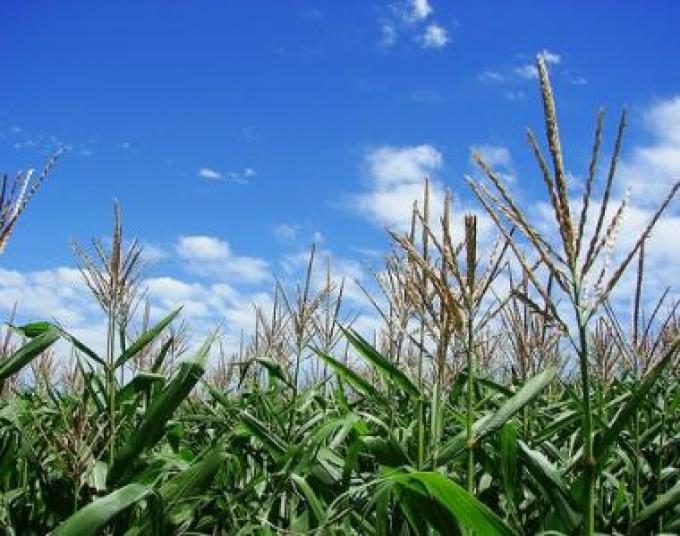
(650,170)
(211,257)
(420,9)
(435,36)
(520,74)
(239,177)
(389,165)
(58,293)
(528,72)
(152,253)
(208,173)
(409,17)
(396,178)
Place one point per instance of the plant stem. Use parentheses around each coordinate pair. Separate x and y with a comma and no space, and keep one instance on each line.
(587,431)
(470,403)
(111,380)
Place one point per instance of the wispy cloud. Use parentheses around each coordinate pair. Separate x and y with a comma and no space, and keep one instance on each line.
(491,77)
(210,174)
(286,232)
(242,177)
(513,77)
(239,177)
(528,72)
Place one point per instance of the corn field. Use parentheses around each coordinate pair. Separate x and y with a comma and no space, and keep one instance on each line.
(503,393)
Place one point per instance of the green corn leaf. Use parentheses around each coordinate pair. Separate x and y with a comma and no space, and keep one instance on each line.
(352,378)
(152,426)
(612,434)
(508,455)
(186,485)
(33,329)
(653,511)
(162,354)
(146,338)
(379,362)
(452,503)
(312,499)
(194,480)
(550,480)
(258,429)
(21,357)
(138,384)
(492,422)
(90,519)
(275,369)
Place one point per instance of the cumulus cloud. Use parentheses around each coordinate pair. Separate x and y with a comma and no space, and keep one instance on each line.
(650,169)
(395,180)
(57,293)
(212,257)
(390,165)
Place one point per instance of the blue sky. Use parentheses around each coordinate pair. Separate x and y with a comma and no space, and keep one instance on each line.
(234,133)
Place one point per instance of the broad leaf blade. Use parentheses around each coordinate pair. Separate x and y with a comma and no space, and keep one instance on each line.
(88,520)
